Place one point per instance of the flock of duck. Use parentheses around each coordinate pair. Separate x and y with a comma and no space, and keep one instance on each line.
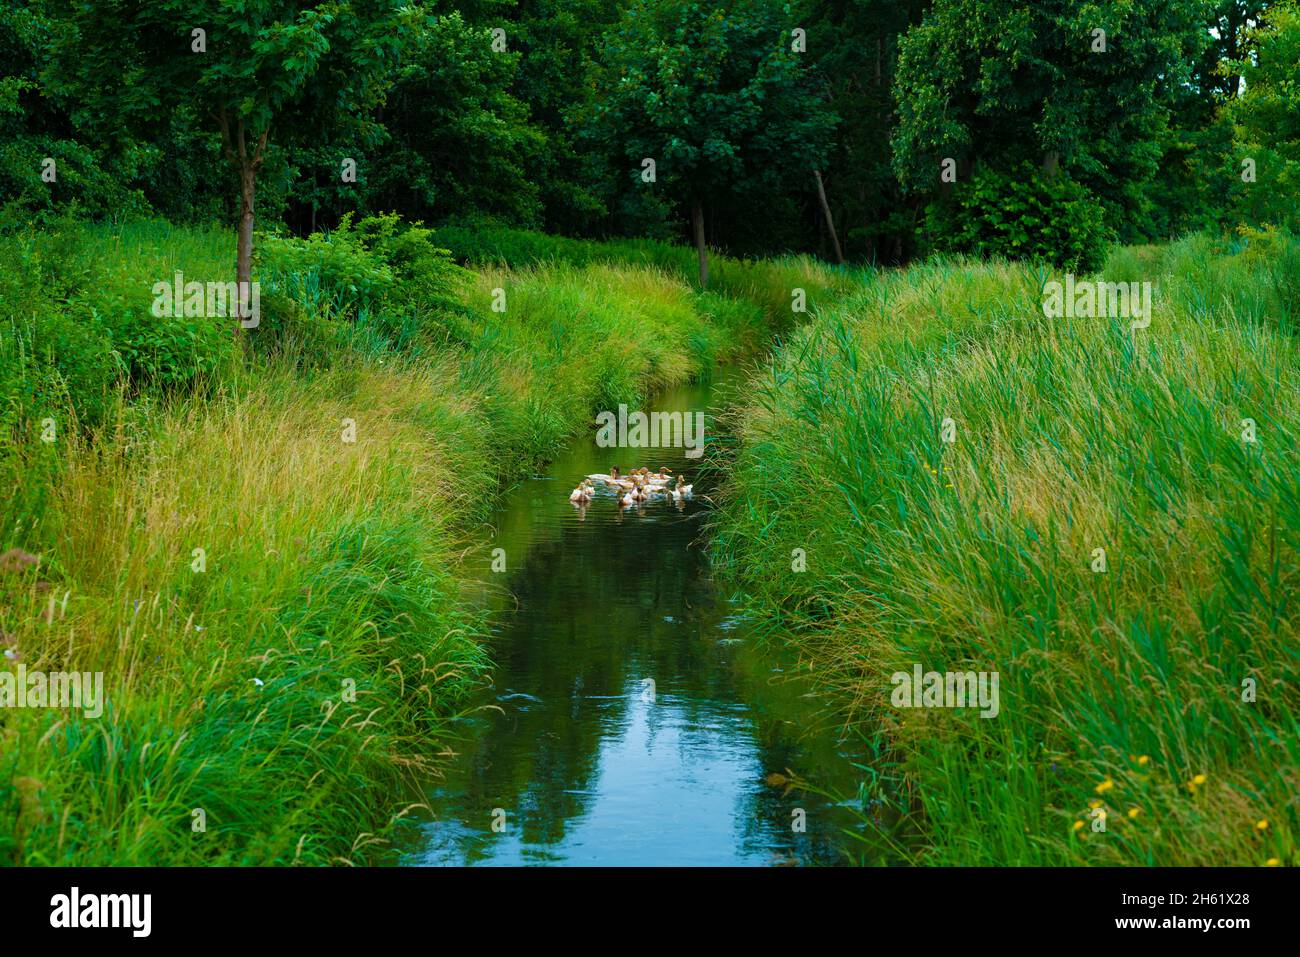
(638,486)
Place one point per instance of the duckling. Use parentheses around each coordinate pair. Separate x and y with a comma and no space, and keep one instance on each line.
(610,479)
(628,500)
(684,490)
(582,494)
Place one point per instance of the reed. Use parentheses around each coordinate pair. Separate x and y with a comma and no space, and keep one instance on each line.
(1122,691)
(295,684)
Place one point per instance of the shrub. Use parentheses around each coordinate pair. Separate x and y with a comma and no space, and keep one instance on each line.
(294,333)
(48,362)
(1021,215)
(331,273)
(426,274)
(380,272)
(167,352)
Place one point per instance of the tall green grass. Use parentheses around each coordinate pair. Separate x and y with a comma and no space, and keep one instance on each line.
(285,680)
(1122,692)
(768,283)
(291,685)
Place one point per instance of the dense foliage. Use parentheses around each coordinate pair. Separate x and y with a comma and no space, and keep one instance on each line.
(394,168)
(1122,680)
(542,114)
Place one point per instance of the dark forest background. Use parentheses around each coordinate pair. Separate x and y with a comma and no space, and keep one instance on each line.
(1058,138)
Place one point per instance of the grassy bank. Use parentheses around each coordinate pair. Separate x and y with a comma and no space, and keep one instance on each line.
(769,284)
(1158,693)
(261,552)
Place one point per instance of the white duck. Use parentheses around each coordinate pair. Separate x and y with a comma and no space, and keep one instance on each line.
(611,479)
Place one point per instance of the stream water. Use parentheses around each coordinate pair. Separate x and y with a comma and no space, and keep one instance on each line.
(632,718)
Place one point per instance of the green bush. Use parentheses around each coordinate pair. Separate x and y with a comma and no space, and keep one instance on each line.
(1021,215)
(50,364)
(331,273)
(78,302)
(167,352)
(294,333)
(427,275)
(382,273)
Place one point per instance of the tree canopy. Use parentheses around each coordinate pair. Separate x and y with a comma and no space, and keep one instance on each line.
(859,129)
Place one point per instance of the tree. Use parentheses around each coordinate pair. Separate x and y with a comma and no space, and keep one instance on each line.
(1065,84)
(1266,120)
(854,46)
(715,97)
(44,166)
(294,67)
(1217,74)
(559,43)
(457,142)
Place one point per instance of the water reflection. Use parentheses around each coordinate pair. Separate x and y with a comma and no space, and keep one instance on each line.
(631,721)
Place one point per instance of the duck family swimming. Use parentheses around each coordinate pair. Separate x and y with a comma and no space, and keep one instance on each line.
(635,488)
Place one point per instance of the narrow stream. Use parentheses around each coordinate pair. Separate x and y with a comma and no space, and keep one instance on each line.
(632,719)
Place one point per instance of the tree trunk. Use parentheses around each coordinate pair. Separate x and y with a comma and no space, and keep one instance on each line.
(830,220)
(697,226)
(235,146)
(244,255)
